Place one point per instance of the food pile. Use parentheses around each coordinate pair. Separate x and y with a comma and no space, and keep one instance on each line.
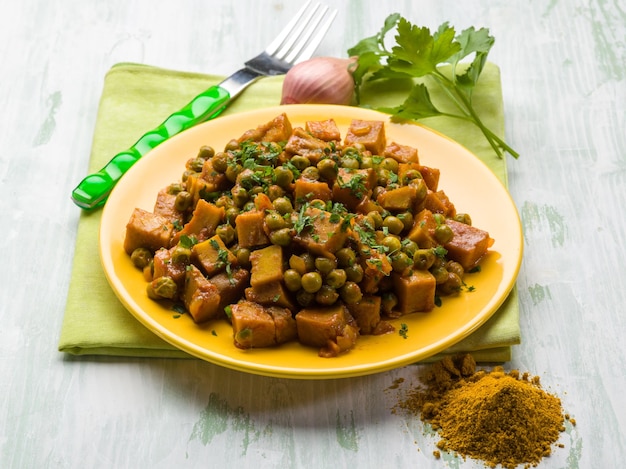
(293,233)
(502,418)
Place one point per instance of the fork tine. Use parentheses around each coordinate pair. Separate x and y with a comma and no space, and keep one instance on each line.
(273,46)
(299,39)
(314,42)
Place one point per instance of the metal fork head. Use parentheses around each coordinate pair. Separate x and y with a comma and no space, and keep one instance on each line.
(296,42)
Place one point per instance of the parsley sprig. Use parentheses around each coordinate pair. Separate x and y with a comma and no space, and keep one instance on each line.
(417,53)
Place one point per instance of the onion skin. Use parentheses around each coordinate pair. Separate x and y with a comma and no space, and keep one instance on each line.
(320,80)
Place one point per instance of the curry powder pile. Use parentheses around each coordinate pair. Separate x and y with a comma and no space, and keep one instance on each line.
(500,418)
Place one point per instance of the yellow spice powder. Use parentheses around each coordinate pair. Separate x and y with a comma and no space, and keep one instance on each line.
(494,416)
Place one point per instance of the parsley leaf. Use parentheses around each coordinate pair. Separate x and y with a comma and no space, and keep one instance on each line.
(419,54)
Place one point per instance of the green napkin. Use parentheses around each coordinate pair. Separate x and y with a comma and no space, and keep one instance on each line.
(136,98)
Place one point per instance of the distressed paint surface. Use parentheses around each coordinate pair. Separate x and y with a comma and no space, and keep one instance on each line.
(563,65)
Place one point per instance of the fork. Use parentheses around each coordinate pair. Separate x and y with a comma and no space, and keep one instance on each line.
(295,43)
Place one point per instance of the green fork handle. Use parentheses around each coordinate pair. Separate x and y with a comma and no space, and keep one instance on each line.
(93,191)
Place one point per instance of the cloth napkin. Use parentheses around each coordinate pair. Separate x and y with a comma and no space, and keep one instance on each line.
(136,98)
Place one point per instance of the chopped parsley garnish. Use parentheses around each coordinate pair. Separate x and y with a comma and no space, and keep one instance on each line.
(404,330)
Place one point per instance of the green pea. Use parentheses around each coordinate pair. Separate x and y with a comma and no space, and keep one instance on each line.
(327,169)
(186,175)
(300,162)
(410,247)
(389,164)
(451,286)
(324,264)
(274,221)
(293,280)
(350,162)
(326,295)
(336,278)
(345,257)
(354,273)
(231,214)
(407,219)
(232,145)
(423,259)
(281,237)
(175,188)
(350,293)
(243,257)
(162,287)
(226,232)
(463,218)
(440,273)
(220,162)
(283,205)
(274,192)
(311,282)
(196,164)
(393,224)
(400,261)
(384,177)
(443,234)
(181,255)
(392,243)
(224,201)
(376,218)
(206,152)
(367,162)
(412,175)
(455,268)
(240,195)
(141,258)
(232,171)
(183,201)
(311,173)
(283,176)
(304,298)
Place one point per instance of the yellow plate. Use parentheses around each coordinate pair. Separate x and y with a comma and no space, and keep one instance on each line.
(468,182)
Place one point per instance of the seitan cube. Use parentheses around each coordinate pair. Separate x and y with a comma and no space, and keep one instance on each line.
(249,228)
(401,153)
(332,329)
(231,286)
(366,313)
(370,134)
(147,230)
(415,292)
(326,130)
(400,199)
(201,297)
(277,130)
(306,190)
(267,265)
(255,326)
(164,267)
(271,294)
(423,229)
(304,143)
(319,231)
(165,205)
(204,221)
(212,256)
(468,245)
(352,186)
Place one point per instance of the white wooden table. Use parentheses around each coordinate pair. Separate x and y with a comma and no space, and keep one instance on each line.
(564,79)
